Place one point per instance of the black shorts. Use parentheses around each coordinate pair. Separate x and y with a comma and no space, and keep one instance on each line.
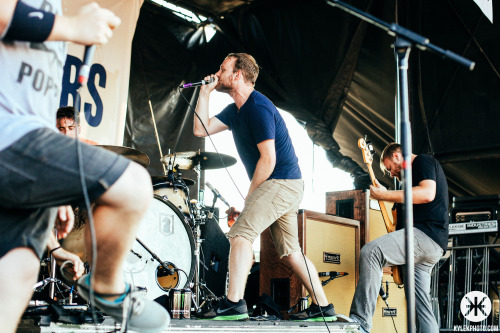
(40,172)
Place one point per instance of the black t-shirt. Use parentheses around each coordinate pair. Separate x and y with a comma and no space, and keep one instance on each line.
(432,217)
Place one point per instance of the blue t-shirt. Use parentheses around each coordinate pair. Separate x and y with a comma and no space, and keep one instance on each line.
(259,120)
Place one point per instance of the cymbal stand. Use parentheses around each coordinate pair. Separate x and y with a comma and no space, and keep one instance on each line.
(199,218)
(52,280)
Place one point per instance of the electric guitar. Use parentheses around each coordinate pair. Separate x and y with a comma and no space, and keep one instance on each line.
(368,152)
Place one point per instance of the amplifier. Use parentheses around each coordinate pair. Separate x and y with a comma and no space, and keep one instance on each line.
(473,216)
(473,227)
(474,219)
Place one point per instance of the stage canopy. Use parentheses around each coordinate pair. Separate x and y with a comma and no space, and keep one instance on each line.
(335,74)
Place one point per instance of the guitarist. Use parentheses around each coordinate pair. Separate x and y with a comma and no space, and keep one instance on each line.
(430,214)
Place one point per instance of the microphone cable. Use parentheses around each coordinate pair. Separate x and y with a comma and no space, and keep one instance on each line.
(83,184)
(213,144)
(314,292)
(384,298)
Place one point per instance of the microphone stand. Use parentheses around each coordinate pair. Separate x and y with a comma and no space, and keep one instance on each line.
(405,40)
(323,283)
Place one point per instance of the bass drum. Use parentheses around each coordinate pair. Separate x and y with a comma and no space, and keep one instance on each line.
(166,233)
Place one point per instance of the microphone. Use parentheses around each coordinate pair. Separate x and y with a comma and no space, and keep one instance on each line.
(196,84)
(217,194)
(332,273)
(384,294)
(83,74)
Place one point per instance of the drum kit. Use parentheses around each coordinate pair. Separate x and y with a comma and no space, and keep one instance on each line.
(166,253)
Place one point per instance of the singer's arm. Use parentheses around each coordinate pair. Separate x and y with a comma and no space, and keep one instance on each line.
(213,125)
(92,24)
(265,164)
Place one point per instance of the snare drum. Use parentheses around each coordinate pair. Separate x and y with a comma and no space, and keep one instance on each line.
(165,232)
(174,191)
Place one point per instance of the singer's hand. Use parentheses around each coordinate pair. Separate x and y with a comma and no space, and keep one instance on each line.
(208,88)
(92,25)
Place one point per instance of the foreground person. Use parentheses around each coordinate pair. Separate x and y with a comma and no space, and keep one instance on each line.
(39,169)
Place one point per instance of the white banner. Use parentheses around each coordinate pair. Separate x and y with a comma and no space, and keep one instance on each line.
(103,103)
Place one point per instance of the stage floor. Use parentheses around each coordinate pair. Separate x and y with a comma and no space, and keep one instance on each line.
(194,325)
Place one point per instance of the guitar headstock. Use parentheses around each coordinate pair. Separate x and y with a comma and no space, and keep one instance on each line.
(367,150)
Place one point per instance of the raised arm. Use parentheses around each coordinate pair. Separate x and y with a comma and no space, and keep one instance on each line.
(213,125)
(92,24)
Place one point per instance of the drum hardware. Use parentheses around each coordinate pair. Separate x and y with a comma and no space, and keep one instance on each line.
(52,280)
(164,246)
(188,160)
(130,153)
(168,269)
(199,219)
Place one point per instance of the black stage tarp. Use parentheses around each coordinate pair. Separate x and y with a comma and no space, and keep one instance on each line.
(335,74)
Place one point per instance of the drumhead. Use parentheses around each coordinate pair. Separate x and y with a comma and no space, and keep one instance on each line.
(165,231)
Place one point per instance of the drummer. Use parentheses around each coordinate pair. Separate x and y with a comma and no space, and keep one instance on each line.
(68,122)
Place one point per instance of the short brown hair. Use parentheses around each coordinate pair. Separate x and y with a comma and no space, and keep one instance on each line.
(248,66)
(388,151)
(68,112)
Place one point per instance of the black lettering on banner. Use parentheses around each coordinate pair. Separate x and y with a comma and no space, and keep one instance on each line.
(26,69)
(97,78)
(95,70)
(69,84)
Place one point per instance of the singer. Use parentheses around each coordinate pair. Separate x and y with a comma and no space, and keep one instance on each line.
(39,167)
(276,187)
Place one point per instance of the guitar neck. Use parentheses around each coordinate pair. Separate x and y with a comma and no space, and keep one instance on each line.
(388,223)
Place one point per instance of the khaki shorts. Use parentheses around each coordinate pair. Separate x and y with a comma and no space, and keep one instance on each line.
(273,204)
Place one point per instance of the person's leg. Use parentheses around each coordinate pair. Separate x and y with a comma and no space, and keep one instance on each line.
(426,322)
(387,250)
(116,216)
(16,285)
(306,274)
(257,215)
(45,172)
(240,262)
(427,254)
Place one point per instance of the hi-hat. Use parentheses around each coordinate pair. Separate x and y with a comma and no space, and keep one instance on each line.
(188,160)
(130,153)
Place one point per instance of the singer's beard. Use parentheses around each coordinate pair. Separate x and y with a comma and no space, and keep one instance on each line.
(222,88)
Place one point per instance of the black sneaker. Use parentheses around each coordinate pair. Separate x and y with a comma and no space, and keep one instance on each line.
(313,313)
(224,310)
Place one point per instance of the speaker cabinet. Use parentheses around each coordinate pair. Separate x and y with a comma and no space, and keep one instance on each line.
(360,207)
(331,243)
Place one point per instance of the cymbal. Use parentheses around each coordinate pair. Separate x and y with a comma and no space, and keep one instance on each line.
(163,179)
(188,160)
(130,153)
